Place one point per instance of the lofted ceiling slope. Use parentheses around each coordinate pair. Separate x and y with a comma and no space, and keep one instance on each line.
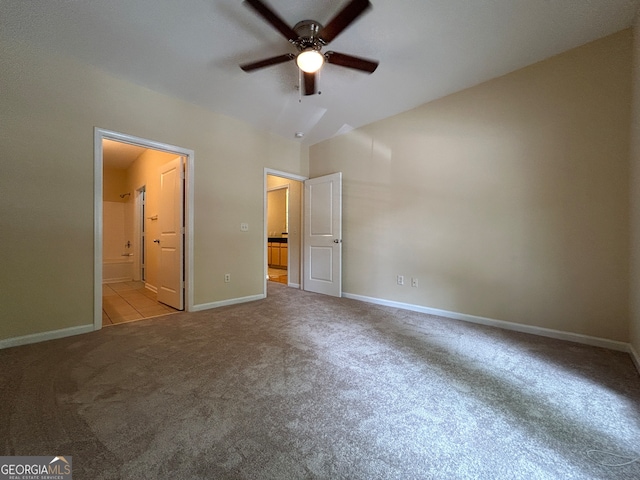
(427,49)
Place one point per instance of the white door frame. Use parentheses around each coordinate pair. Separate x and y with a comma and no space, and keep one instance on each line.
(139,233)
(290,176)
(99,135)
(287,187)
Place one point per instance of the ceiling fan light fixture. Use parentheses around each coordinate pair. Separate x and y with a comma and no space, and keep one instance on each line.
(310,37)
(310,60)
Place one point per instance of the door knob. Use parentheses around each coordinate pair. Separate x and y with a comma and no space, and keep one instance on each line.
(156,241)
(337,241)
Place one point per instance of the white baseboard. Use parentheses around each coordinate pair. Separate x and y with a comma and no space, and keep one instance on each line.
(294,285)
(106,281)
(44,336)
(148,286)
(224,303)
(545,332)
(517,327)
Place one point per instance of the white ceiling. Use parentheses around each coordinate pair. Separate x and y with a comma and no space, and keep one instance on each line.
(427,49)
(120,155)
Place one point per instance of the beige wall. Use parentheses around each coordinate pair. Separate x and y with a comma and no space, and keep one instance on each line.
(295,224)
(508,200)
(635,195)
(48,110)
(114,236)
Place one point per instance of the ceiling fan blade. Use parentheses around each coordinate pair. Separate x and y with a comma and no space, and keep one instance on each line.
(271,17)
(309,83)
(343,19)
(267,62)
(350,61)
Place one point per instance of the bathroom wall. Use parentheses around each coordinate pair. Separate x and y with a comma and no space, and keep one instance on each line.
(277,212)
(113,212)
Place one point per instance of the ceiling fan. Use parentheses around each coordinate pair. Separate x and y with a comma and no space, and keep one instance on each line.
(309,36)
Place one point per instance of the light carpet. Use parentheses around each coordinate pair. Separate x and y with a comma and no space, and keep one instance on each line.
(301,385)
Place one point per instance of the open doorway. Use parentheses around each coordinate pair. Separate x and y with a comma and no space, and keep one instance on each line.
(132,243)
(314,231)
(283,228)
(278,233)
(130,262)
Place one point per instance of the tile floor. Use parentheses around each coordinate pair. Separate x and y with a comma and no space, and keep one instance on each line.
(278,275)
(130,301)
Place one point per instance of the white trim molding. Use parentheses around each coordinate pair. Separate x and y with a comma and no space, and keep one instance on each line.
(44,336)
(517,327)
(224,303)
(635,357)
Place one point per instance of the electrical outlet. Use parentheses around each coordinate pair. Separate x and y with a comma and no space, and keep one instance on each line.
(244,227)
(400,280)
(227,277)
(414,282)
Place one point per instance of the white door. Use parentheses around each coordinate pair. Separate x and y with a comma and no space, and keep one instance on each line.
(171,226)
(323,235)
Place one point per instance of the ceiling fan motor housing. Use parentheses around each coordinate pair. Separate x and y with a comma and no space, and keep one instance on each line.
(307,31)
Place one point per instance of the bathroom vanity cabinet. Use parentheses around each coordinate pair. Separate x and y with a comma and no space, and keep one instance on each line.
(278,252)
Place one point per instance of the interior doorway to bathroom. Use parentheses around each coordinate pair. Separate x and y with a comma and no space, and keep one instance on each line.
(132,267)
(315,251)
(143,233)
(278,228)
(283,227)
